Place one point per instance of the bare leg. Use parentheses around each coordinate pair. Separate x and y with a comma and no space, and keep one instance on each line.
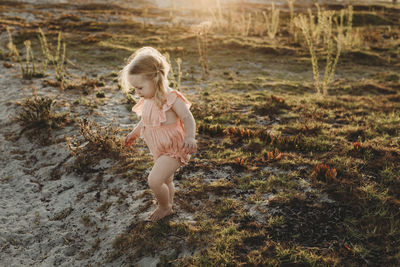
(163,169)
(171,187)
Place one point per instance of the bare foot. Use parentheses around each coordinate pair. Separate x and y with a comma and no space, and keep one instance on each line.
(160,213)
(171,202)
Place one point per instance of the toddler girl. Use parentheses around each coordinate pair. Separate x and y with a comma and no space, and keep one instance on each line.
(166,124)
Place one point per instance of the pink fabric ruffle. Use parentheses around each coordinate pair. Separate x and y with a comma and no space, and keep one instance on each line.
(138,107)
(152,114)
(170,100)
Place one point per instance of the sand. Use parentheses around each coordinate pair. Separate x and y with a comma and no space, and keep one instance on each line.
(31,197)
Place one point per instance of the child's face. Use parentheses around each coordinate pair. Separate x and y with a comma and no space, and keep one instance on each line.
(144,87)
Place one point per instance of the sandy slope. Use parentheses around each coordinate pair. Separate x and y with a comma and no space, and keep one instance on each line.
(31,197)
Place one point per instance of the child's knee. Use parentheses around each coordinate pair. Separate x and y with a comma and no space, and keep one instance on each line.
(153,181)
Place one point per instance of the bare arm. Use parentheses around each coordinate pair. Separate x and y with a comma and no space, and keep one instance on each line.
(135,133)
(137,128)
(189,123)
(186,116)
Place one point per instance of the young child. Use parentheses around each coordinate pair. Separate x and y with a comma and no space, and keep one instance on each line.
(166,124)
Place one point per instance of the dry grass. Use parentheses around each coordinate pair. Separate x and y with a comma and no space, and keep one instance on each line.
(201,32)
(312,33)
(97,143)
(282,176)
(38,116)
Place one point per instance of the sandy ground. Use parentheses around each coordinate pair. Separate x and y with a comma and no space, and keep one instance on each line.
(31,198)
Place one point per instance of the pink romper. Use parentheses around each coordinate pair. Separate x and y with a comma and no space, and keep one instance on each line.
(162,139)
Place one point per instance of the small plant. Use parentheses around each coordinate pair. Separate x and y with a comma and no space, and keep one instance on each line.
(216,15)
(246,24)
(28,68)
(84,83)
(179,74)
(292,30)
(100,94)
(357,145)
(37,114)
(60,61)
(272,21)
(277,99)
(29,71)
(49,58)
(283,142)
(240,162)
(272,106)
(226,208)
(349,37)
(311,33)
(12,49)
(175,78)
(239,132)
(95,143)
(145,13)
(272,155)
(288,142)
(100,139)
(215,129)
(201,32)
(323,172)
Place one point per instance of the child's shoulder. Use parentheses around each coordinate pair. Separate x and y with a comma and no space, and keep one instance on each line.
(171,97)
(171,92)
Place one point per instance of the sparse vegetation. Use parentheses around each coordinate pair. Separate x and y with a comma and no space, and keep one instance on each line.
(272,21)
(48,57)
(97,142)
(12,49)
(282,176)
(37,112)
(201,32)
(60,61)
(29,69)
(175,76)
(312,32)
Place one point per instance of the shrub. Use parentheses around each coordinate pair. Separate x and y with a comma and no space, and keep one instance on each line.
(312,35)
(29,69)
(37,113)
(97,142)
(323,172)
(201,32)
(272,21)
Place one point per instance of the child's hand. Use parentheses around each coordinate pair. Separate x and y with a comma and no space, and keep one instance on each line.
(189,145)
(130,138)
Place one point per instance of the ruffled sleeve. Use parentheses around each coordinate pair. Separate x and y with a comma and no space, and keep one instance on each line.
(138,107)
(170,100)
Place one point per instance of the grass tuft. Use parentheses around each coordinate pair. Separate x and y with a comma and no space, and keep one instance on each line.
(37,113)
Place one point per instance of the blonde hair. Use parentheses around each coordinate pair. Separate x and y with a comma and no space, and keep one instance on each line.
(151,63)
